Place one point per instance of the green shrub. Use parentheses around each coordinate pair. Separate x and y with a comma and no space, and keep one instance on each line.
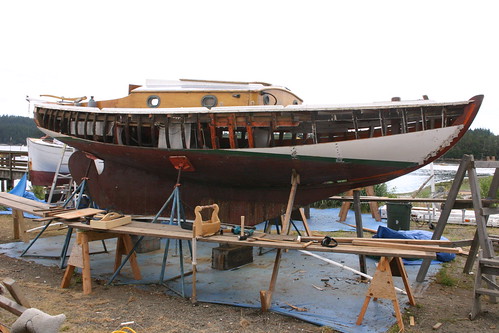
(380,190)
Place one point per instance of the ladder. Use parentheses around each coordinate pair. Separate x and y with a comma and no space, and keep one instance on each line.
(488,262)
(57,175)
(488,266)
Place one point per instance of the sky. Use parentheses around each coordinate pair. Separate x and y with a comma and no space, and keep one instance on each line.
(326,52)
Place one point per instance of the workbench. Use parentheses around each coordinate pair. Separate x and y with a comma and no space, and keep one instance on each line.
(381,286)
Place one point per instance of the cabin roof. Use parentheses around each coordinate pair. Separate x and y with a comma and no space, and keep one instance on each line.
(201,85)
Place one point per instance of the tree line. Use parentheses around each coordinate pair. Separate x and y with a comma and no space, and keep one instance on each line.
(480,142)
(15,129)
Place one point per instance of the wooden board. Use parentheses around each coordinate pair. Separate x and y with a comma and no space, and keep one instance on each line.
(79,213)
(26,205)
(408,246)
(106,225)
(175,232)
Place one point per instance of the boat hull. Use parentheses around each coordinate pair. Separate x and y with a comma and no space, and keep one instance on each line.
(254,183)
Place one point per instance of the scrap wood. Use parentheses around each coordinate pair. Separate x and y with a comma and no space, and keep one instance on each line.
(425,248)
(11,306)
(307,244)
(437,326)
(365,229)
(296,307)
(15,291)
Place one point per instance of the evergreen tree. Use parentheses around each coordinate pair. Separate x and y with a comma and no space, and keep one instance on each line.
(479,142)
(15,129)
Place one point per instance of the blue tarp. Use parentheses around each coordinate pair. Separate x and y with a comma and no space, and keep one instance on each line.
(332,296)
(20,191)
(385,232)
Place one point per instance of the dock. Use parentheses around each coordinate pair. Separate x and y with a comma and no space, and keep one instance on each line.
(13,165)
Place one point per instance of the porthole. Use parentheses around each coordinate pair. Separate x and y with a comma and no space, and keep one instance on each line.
(266,100)
(209,101)
(153,101)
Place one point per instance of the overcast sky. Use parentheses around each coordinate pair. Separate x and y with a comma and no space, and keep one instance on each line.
(327,52)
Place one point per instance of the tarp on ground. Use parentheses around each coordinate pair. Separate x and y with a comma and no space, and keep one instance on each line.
(332,296)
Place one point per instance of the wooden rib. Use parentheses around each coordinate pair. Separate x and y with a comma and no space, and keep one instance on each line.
(85,131)
(94,126)
(105,128)
(154,139)
(249,130)
(213,132)
(139,130)
(232,135)
(167,132)
(127,130)
(182,132)
(200,136)
(76,115)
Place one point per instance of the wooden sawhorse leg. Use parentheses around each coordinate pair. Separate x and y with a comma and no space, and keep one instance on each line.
(382,287)
(19,225)
(80,257)
(266,295)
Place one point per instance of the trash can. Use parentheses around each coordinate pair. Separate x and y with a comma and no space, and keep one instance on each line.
(399,216)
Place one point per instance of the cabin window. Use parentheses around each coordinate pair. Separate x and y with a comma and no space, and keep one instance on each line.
(266,100)
(153,101)
(209,101)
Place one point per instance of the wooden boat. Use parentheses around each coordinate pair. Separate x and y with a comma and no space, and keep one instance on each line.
(242,142)
(44,155)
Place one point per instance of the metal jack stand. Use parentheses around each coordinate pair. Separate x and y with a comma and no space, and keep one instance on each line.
(177,216)
(80,191)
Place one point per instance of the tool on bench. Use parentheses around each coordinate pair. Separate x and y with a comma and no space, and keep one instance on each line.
(236,230)
(207,227)
(326,242)
(109,220)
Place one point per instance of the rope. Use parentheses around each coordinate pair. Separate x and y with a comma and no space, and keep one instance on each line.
(125,328)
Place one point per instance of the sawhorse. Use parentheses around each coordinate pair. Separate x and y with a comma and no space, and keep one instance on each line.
(80,257)
(382,287)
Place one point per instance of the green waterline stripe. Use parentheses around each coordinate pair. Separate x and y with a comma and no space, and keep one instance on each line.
(306,158)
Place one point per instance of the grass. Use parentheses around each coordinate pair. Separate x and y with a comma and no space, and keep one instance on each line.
(443,277)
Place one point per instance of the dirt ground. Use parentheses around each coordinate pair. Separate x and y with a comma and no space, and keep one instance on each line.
(446,300)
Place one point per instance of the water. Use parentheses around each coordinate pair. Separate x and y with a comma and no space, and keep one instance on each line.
(443,172)
(13,148)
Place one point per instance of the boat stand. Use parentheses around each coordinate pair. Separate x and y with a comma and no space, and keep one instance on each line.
(266,295)
(79,192)
(177,216)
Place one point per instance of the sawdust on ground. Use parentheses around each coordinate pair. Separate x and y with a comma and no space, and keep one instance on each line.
(151,310)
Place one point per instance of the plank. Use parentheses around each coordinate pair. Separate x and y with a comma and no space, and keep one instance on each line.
(7,199)
(16,293)
(11,306)
(409,246)
(79,213)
